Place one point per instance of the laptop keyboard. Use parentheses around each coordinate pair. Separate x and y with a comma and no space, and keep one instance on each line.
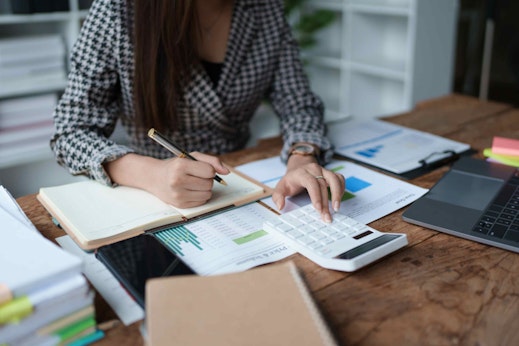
(501,219)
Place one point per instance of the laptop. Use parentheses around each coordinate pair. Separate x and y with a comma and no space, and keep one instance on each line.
(476,200)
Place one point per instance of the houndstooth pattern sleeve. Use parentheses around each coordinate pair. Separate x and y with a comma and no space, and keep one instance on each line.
(300,110)
(88,110)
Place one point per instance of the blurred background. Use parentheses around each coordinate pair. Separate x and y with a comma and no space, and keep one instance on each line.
(365,58)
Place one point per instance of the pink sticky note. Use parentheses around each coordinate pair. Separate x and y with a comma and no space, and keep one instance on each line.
(505,146)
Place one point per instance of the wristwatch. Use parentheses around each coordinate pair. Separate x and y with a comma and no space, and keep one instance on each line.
(303,149)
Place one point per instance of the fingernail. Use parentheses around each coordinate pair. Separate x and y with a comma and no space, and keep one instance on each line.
(336,205)
(327,218)
(318,206)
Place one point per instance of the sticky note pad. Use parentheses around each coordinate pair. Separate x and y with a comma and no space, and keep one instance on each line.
(505,146)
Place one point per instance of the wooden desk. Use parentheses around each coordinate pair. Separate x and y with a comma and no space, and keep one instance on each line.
(439,290)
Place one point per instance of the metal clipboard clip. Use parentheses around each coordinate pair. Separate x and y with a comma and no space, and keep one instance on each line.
(427,163)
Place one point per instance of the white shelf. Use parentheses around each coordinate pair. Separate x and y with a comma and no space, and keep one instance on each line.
(33,86)
(381,57)
(384,10)
(34,18)
(376,96)
(386,3)
(328,42)
(324,82)
(321,60)
(384,40)
(35,153)
(66,24)
(390,72)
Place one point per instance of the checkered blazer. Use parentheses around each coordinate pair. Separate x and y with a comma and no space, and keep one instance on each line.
(262,61)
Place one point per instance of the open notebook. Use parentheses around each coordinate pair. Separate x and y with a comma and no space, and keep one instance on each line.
(94,214)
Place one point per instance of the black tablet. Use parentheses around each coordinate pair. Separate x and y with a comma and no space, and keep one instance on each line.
(137,259)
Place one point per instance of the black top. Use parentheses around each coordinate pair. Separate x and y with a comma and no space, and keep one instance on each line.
(213,69)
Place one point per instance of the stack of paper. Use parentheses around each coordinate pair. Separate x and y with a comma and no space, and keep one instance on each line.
(26,125)
(504,150)
(44,299)
(32,58)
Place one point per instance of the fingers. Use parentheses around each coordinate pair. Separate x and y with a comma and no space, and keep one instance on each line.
(215,162)
(317,187)
(190,199)
(337,187)
(278,196)
(189,183)
(316,180)
(323,188)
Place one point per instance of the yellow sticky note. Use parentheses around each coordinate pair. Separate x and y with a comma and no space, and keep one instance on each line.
(15,310)
(509,160)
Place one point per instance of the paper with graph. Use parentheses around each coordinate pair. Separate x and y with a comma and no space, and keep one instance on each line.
(369,195)
(228,242)
(391,147)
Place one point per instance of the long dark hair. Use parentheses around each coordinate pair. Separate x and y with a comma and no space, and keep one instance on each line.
(165,41)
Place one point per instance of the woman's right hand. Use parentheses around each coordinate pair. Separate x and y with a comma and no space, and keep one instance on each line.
(181,182)
(185,183)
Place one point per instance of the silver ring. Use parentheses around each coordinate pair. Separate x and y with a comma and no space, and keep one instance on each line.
(318,177)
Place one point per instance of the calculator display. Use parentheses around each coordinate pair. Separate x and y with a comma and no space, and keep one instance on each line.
(366,247)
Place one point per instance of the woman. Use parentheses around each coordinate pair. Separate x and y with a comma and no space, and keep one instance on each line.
(195,70)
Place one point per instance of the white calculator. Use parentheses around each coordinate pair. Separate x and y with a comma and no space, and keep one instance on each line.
(343,244)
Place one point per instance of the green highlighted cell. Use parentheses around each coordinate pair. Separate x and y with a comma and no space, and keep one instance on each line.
(347,195)
(250,237)
(336,169)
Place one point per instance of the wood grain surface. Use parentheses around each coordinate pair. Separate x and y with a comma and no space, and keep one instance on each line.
(439,290)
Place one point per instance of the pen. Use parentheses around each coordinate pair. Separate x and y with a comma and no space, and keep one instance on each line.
(175,149)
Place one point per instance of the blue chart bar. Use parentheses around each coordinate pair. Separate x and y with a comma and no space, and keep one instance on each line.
(175,236)
(355,184)
(370,152)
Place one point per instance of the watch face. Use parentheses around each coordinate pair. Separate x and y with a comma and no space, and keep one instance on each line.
(307,149)
(303,149)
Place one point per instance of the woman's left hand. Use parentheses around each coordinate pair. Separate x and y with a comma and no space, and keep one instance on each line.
(303,172)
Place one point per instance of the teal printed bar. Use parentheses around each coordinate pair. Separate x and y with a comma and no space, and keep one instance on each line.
(170,242)
(173,238)
(185,235)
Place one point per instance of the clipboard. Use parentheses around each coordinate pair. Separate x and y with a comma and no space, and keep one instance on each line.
(427,165)
(397,150)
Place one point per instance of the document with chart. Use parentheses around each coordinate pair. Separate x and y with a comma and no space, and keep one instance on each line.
(393,148)
(228,242)
(235,240)
(369,195)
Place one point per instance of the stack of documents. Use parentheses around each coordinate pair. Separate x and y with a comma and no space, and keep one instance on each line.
(44,299)
(26,125)
(32,58)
